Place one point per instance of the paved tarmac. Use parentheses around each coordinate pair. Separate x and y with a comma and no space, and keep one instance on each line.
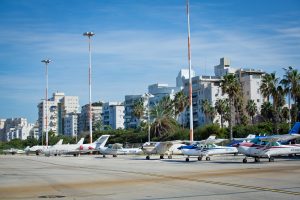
(133,177)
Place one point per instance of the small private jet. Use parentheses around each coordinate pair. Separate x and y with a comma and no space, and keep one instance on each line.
(60,149)
(14,151)
(268,147)
(207,148)
(38,149)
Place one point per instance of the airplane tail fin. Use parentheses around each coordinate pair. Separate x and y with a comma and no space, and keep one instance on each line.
(59,142)
(295,129)
(80,142)
(101,141)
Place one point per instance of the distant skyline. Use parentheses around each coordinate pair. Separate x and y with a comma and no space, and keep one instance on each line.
(137,43)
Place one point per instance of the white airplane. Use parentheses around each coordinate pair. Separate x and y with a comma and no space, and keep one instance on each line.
(85,148)
(116,149)
(59,149)
(13,151)
(207,148)
(268,147)
(156,148)
(37,149)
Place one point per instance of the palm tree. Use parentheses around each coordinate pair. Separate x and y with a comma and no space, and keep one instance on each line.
(231,86)
(180,102)
(208,110)
(251,109)
(222,107)
(291,83)
(267,85)
(270,88)
(162,113)
(267,111)
(138,109)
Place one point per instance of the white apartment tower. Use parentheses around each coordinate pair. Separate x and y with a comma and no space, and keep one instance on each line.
(58,107)
(113,115)
(84,117)
(250,80)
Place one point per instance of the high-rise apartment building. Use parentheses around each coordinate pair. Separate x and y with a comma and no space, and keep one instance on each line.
(113,115)
(84,116)
(130,121)
(15,128)
(58,106)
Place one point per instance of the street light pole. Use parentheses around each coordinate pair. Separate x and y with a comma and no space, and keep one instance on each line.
(89,35)
(148,95)
(190,71)
(46,61)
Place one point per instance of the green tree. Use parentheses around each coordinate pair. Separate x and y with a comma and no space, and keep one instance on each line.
(251,109)
(267,111)
(222,107)
(208,110)
(231,86)
(163,114)
(291,83)
(138,109)
(180,101)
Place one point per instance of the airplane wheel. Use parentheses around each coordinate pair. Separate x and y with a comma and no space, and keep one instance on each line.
(256,159)
(187,159)
(37,153)
(161,157)
(148,157)
(207,158)
(104,156)
(199,158)
(170,157)
(271,159)
(245,160)
(55,154)
(114,156)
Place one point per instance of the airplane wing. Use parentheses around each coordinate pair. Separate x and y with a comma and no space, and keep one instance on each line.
(276,138)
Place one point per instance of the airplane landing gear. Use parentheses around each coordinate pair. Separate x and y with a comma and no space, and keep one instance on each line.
(200,158)
(114,156)
(245,160)
(207,158)
(104,156)
(187,159)
(170,157)
(271,159)
(256,159)
(161,157)
(147,157)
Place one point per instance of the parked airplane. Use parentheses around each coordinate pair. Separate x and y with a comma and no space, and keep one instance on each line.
(85,148)
(116,149)
(156,148)
(268,147)
(207,148)
(59,149)
(13,151)
(37,149)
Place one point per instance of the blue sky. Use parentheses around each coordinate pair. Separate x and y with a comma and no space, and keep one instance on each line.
(137,43)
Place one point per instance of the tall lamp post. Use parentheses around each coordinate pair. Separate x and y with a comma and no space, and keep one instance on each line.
(190,71)
(148,96)
(46,61)
(89,35)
